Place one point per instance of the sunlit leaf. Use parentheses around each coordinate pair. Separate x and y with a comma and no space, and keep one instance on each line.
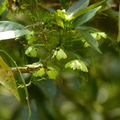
(86,44)
(60,54)
(31,51)
(76,7)
(59,21)
(98,35)
(9,30)
(62,14)
(86,9)
(52,73)
(77,64)
(7,79)
(40,72)
(30,37)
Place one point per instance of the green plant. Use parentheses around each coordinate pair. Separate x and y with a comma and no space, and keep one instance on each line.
(50,38)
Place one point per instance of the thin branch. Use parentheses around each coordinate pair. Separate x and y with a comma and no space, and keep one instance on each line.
(27,68)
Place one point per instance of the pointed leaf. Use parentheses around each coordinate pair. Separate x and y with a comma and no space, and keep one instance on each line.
(87,36)
(9,30)
(7,79)
(86,10)
(76,7)
(85,17)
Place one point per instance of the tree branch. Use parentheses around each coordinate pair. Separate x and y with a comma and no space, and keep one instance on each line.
(27,68)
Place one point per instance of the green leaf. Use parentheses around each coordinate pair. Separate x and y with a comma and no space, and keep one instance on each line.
(60,54)
(59,21)
(86,44)
(9,30)
(63,3)
(77,64)
(87,36)
(7,79)
(30,37)
(31,51)
(78,13)
(76,7)
(40,72)
(52,73)
(85,17)
(62,14)
(98,35)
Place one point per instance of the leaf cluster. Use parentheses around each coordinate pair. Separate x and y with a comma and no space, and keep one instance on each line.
(51,35)
(49,38)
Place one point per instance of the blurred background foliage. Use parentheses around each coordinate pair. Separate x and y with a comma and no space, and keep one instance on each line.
(70,98)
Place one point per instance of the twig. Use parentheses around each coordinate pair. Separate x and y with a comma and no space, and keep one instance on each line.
(26,69)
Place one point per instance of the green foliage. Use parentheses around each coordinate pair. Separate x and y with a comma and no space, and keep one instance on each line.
(31,51)
(39,72)
(50,37)
(51,72)
(76,7)
(30,37)
(80,12)
(77,64)
(59,20)
(56,30)
(98,35)
(59,54)
(85,17)
(3,8)
(87,36)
